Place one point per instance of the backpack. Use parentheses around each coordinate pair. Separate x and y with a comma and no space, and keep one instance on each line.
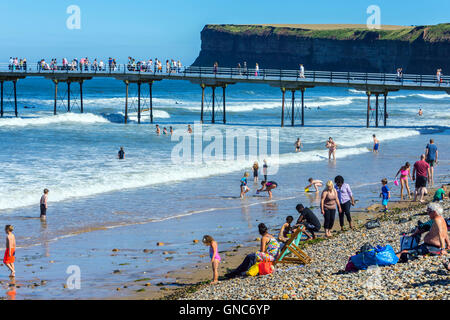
(409,242)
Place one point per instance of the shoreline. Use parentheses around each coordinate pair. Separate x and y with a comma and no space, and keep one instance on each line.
(189,283)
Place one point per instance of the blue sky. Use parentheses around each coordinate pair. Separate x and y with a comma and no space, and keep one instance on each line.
(171,28)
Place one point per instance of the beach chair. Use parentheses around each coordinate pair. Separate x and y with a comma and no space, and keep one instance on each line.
(291,246)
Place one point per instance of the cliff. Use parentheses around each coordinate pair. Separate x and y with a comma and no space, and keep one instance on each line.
(420,49)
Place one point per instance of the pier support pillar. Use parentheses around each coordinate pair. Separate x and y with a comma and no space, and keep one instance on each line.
(126,100)
(376,109)
(81,97)
(283,91)
(150,85)
(303,106)
(213,103)
(385,108)
(293,108)
(15,97)
(223,100)
(1,101)
(55,105)
(68,96)
(368,108)
(203,102)
(139,102)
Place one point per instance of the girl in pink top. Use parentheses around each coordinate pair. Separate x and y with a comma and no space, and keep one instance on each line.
(405,172)
(214,255)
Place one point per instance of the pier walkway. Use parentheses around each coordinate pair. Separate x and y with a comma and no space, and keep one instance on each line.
(374,84)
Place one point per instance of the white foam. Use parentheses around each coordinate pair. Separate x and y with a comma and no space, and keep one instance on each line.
(84,118)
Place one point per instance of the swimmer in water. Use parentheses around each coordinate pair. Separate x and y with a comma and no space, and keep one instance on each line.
(267,186)
(376,144)
(170,130)
(189,128)
(121,154)
(158,130)
(420,112)
(164,130)
(331,146)
(244,186)
(298,145)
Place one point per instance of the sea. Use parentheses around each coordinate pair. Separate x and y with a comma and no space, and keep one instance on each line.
(106,216)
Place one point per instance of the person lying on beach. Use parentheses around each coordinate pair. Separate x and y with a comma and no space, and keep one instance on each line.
(267,186)
(214,255)
(244,186)
(308,219)
(285,229)
(314,183)
(440,195)
(436,241)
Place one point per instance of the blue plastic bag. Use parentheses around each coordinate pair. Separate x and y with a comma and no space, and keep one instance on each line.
(378,256)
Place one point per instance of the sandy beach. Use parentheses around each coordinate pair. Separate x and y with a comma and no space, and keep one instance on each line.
(329,259)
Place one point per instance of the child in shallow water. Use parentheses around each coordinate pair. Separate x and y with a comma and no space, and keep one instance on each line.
(214,255)
(244,185)
(10,250)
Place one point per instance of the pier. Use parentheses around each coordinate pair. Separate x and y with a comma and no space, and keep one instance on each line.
(214,80)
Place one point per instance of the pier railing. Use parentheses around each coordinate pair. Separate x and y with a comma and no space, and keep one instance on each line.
(235,73)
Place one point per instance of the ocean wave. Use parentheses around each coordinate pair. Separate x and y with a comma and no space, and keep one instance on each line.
(113,176)
(84,118)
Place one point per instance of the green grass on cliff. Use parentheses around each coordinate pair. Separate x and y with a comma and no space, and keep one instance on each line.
(436,33)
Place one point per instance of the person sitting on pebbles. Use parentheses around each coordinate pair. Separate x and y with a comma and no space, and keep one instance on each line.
(436,241)
(283,236)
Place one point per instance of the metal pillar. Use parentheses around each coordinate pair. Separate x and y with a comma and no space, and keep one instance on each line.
(55,105)
(150,84)
(213,102)
(368,108)
(283,91)
(224,114)
(293,108)
(385,108)
(203,102)
(303,106)
(15,98)
(1,102)
(126,101)
(68,96)
(376,109)
(81,97)
(139,102)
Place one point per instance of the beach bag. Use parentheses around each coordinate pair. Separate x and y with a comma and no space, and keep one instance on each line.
(254,270)
(265,267)
(350,267)
(378,256)
(385,256)
(408,242)
(372,224)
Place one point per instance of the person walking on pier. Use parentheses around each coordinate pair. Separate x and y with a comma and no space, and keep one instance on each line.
(439,75)
(302,71)
(431,153)
(256,70)
(245,68)
(216,67)
(121,154)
